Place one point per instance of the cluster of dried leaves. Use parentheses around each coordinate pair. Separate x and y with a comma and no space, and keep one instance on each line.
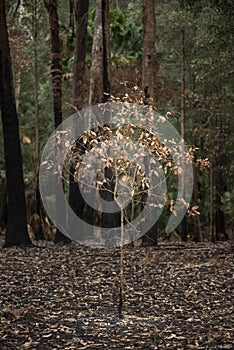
(130,144)
(132,173)
(66,297)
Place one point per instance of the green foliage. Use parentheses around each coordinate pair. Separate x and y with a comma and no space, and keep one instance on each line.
(125,33)
(126,38)
(228,203)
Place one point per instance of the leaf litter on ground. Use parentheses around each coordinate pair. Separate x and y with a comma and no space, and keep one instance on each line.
(176,296)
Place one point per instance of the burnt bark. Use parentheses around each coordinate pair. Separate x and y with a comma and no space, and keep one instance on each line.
(106,50)
(109,220)
(148,54)
(56,66)
(80,54)
(96,74)
(220,184)
(3,205)
(182,124)
(76,200)
(56,76)
(100,70)
(151,236)
(100,91)
(16,229)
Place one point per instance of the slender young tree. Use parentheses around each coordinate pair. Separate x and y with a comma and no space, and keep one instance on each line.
(56,76)
(16,230)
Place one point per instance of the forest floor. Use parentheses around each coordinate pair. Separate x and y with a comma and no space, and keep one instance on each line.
(66,297)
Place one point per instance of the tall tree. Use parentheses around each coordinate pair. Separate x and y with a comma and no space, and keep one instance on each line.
(76,201)
(182,107)
(35,13)
(100,70)
(96,85)
(148,79)
(16,231)
(106,49)
(56,76)
(56,66)
(213,21)
(82,9)
(100,88)
(148,54)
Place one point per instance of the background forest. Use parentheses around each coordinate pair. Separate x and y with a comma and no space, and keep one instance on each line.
(174,59)
(191,80)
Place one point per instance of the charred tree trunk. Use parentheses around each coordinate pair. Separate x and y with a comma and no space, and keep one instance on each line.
(109,220)
(16,230)
(3,205)
(220,182)
(76,200)
(71,22)
(106,50)
(212,228)
(100,86)
(182,124)
(56,76)
(96,74)
(100,70)
(80,54)
(36,106)
(148,81)
(197,225)
(56,67)
(148,55)
(151,236)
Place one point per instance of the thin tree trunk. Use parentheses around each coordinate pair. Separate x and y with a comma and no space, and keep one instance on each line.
(17,88)
(56,75)
(100,70)
(148,80)
(220,182)
(109,220)
(100,88)
(3,205)
(121,264)
(197,224)
(151,236)
(212,229)
(96,73)
(148,54)
(36,106)
(16,230)
(182,125)
(76,200)
(106,50)
(56,67)
(182,94)
(71,22)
